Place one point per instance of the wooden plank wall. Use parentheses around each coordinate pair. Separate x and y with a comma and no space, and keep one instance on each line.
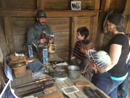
(61,33)
(60,26)
(117,4)
(127,19)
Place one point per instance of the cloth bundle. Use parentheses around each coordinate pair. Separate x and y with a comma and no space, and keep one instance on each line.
(36,66)
(16,59)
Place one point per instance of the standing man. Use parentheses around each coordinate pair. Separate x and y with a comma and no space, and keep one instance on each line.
(34,33)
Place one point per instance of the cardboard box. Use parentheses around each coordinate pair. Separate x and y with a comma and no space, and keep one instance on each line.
(20,71)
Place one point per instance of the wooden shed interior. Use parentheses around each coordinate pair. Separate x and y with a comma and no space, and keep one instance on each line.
(17,15)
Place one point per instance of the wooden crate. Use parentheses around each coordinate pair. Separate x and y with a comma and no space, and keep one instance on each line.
(20,71)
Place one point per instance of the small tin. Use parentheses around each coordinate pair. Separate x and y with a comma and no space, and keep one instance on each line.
(30,51)
(45,56)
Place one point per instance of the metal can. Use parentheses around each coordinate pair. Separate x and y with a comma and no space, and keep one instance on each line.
(45,56)
(30,51)
(74,72)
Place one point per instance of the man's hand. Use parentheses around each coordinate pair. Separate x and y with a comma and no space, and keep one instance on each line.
(50,41)
(42,40)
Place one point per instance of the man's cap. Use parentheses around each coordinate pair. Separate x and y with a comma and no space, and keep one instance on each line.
(118,20)
(41,13)
(100,58)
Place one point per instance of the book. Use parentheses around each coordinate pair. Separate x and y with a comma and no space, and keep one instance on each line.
(47,36)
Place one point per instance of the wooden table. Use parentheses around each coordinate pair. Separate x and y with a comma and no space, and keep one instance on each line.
(58,85)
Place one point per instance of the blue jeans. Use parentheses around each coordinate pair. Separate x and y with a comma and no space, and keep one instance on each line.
(113,88)
(124,88)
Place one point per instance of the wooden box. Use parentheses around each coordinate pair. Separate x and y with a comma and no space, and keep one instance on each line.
(20,71)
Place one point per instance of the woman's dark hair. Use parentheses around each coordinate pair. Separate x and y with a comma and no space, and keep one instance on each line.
(83,31)
(118,20)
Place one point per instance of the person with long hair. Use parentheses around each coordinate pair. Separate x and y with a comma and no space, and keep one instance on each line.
(117,48)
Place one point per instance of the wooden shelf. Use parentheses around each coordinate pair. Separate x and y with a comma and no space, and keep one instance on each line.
(50,14)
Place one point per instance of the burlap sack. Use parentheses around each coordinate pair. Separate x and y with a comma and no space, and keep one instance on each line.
(13,57)
(16,59)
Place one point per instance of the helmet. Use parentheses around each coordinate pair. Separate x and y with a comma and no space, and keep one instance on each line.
(41,13)
(100,58)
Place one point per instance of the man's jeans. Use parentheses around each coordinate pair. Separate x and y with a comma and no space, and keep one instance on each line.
(113,89)
(124,88)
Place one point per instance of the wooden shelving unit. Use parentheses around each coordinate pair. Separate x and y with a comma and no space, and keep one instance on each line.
(50,14)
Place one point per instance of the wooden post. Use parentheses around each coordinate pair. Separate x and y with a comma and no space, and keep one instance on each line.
(40,4)
(94,24)
(105,5)
(128,26)
(3,43)
(8,33)
(94,21)
(3,53)
(127,7)
(73,33)
(91,28)
(96,4)
(127,13)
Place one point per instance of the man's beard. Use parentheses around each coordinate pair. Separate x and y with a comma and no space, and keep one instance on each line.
(41,23)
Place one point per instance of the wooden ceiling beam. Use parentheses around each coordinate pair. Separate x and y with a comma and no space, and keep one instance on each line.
(50,14)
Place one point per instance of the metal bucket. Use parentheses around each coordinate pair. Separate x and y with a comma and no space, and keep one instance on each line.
(73,72)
